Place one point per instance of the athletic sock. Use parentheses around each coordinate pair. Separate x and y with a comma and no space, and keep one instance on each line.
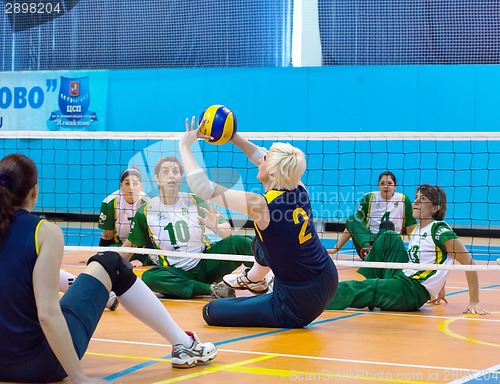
(141,302)
(257,273)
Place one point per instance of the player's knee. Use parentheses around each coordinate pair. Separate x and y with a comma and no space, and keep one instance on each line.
(148,278)
(120,271)
(206,315)
(388,235)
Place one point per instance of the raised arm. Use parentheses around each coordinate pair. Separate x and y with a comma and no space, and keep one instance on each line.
(253,152)
(457,250)
(248,203)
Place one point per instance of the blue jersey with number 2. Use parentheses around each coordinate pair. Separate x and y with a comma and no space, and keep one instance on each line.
(290,242)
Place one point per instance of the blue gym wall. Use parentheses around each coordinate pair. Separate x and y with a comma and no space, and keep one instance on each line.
(77,175)
(347,98)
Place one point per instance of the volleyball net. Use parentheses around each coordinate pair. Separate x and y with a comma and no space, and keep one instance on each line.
(77,170)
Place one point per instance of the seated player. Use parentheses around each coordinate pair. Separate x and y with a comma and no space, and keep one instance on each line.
(305,275)
(42,338)
(117,212)
(376,208)
(431,242)
(176,221)
(119,208)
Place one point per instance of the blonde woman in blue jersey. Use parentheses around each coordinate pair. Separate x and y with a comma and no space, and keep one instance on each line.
(431,242)
(305,276)
(44,338)
(383,206)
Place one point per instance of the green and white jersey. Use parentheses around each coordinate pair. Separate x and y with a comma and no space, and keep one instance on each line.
(374,207)
(426,246)
(117,214)
(172,228)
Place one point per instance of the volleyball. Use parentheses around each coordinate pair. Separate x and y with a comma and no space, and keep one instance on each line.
(221,124)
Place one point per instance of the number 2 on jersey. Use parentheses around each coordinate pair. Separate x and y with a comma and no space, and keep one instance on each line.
(302,234)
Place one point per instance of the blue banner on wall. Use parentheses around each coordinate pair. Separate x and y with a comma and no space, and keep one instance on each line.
(55,101)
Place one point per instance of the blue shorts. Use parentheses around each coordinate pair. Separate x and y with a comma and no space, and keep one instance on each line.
(290,305)
(82,307)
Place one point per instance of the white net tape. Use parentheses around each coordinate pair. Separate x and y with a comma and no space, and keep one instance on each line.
(242,258)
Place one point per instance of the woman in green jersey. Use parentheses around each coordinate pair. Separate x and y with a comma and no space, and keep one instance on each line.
(119,208)
(432,241)
(375,210)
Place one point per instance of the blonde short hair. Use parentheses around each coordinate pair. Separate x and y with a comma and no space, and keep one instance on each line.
(285,166)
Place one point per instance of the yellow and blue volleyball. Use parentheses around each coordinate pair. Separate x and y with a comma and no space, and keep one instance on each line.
(220,123)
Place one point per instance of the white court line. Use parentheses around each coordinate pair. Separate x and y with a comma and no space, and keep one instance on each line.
(483,288)
(476,373)
(301,356)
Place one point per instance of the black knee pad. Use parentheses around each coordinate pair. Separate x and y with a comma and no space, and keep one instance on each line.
(258,253)
(119,270)
(206,316)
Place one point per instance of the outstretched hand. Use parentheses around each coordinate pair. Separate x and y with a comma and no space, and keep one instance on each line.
(212,217)
(193,133)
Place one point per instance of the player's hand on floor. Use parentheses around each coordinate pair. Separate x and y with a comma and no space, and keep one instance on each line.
(476,309)
(440,298)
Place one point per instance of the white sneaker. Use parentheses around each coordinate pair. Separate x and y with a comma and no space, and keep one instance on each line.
(113,302)
(183,357)
(241,281)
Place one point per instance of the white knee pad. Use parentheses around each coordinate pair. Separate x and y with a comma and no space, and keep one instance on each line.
(200,184)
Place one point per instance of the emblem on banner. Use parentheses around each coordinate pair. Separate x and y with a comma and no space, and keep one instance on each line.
(74,98)
(74,102)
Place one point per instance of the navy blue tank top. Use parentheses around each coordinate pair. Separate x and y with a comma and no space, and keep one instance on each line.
(21,336)
(290,242)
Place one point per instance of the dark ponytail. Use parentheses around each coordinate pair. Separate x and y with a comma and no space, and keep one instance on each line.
(18,174)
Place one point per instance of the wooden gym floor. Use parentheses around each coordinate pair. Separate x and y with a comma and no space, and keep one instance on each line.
(438,344)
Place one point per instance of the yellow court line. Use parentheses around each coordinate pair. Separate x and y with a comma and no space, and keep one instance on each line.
(292,374)
(311,376)
(126,357)
(444,327)
(215,368)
